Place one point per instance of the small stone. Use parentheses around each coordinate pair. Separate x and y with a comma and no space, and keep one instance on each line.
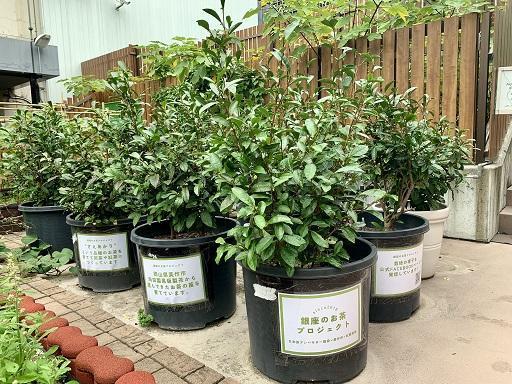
(178,362)
(204,375)
(148,365)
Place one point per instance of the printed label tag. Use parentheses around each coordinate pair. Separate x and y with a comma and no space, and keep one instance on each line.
(320,324)
(173,281)
(107,252)
(397,271)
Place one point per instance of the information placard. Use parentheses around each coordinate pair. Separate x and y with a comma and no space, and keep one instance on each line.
(103,252)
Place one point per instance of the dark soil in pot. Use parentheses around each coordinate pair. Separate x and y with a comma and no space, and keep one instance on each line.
(396,277)
(312,327)
(48,224)
(105,257)
(183,287)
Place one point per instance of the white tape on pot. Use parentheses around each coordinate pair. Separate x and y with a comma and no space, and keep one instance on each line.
(174,281)
(103,252)
(397,271)
(320,324)
(266,293)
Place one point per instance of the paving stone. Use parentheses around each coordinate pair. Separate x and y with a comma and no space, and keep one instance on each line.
(35,294)
(80,305)
(45,300)
(86,327)
(164,376)
(229,380)
(105,338)
(42,284)
(52,290)
(58,308)
(148,365)
(25,287)
(204,375)
(178,362)
(130,336)
(94,314)
(110,324)
(150,348)
(72,316)
(122,350)
(67,298)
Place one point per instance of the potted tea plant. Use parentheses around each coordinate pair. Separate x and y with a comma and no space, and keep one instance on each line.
(403,155)
(427,200)
(97,191)
(184,287)
(35,147)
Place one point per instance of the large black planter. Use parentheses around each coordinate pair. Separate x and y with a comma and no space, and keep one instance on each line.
(183,287)
(48,224)
(105,257)
(312,327)
(396,277)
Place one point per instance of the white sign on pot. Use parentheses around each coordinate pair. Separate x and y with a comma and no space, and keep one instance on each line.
(174,281)
(397,271)
(322,323)
(103,252)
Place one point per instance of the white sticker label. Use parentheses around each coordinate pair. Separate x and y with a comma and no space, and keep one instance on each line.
(265,293)
(320,324)
(107,252)
(174,281)
(397,271)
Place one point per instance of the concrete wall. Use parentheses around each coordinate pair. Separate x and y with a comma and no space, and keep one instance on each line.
(14,18)
(475,206)
(84,29)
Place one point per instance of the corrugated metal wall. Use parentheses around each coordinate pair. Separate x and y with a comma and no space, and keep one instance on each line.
(83,29)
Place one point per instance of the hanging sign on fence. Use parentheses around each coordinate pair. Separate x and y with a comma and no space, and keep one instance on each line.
(504,91)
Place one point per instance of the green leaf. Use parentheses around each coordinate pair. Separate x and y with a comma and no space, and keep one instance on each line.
(251,13)
(310,126)
(243,196)
(154,180)
(280,219)
(310,171)
(279,231)
(291,28)
(28,239)
(319,240)
(263,244)
(260,221)
(289,255)
(226,203)
(294,240)
(206,218)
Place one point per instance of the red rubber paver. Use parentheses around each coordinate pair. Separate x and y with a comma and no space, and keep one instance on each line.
(55,322)
(28,305)
(137,377)
(102,364)
(70,341)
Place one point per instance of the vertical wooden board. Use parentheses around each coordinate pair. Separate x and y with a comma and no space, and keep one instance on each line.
(326,65)
(376,51)
(468,71)
(434,67)
(361,63)
(482,90)
(418,60)
(313,70)
(388,57)
(450,73)
(402,59)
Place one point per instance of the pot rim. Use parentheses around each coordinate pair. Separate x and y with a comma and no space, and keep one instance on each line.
(30,207)
(81,223)
(138,239)
(322,272)
(417,226)
(445,207)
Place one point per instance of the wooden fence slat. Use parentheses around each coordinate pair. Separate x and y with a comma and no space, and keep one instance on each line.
(388,57)
(402,59)
(434,67)
(361,63)
(376,51)
(418,60)
(450,59)
(469,63)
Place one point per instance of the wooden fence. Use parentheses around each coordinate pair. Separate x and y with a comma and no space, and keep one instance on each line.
(447,59)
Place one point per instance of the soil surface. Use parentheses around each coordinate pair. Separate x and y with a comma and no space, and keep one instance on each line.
(184,235)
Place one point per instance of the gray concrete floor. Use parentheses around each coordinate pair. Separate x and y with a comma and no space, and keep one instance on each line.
(461,334)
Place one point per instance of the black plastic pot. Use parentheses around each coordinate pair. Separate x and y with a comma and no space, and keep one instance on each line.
(184,288)
(48,224)
(291,317)
(105,257)
(396,277)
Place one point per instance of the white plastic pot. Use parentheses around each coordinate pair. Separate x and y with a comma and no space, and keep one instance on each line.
(433,239)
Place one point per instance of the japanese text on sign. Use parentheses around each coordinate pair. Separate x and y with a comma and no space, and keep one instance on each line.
(397,271)
(320,324)
(174,281)
(103,252)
